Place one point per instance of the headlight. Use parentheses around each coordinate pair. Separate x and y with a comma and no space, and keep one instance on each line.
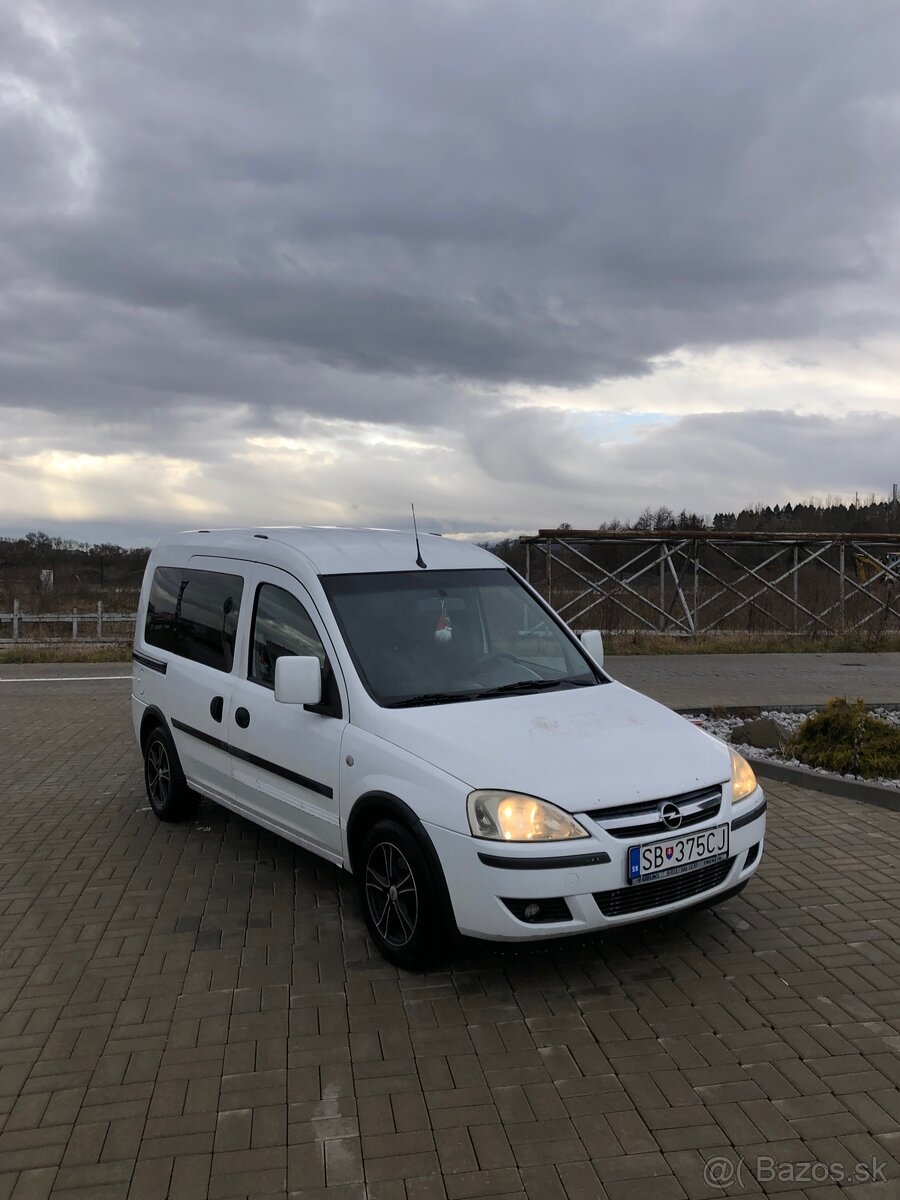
(743,779)
(509,817)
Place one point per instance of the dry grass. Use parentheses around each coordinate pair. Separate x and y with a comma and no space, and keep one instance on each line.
(748,643)
(64,654)
(614,643)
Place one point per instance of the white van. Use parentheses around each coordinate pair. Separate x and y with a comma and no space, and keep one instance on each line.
(423,719)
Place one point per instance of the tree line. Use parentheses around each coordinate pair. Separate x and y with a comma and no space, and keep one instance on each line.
(864,517)
(867,516)
(89,564)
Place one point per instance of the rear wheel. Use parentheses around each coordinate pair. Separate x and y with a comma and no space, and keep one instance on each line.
(167,790)
(400,899)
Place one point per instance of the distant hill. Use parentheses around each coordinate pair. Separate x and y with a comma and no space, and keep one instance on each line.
(863,517)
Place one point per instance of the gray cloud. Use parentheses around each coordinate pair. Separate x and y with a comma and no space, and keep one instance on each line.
(512,470)
(710,462)
(502,193)
(220,220)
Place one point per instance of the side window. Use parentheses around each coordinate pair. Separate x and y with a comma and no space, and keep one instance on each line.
(194,614)
(281,625)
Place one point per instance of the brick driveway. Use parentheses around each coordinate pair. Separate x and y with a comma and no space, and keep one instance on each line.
(195,1011)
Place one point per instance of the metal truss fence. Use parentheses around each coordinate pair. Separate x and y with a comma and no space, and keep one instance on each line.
(661,582)
(708,582)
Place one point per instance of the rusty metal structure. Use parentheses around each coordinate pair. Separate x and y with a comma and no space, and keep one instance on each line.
(688,583)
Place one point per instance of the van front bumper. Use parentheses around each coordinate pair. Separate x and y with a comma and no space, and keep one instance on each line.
(577,887)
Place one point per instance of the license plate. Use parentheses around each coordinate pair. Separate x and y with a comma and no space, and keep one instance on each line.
(687,852)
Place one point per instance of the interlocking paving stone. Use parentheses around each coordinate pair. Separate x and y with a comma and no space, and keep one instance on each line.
(195,1011)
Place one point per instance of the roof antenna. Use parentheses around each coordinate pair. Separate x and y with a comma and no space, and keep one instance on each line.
(420,561)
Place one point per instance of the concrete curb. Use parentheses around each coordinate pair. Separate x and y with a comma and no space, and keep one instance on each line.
(831,785)
(805,777)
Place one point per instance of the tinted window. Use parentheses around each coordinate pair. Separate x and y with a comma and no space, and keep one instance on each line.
(437,636)
(194,614)
(281,626)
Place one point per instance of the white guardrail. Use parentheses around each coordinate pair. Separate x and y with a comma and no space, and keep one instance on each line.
(93,625)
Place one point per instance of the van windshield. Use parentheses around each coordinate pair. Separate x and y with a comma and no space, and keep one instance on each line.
(439,637)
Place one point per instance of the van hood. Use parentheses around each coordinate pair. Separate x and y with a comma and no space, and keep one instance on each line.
(581,748)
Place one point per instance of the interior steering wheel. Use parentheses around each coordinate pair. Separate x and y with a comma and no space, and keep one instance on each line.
(503,656)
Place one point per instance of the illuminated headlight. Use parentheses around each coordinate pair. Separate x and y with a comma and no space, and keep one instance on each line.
(509,817)
(743,779)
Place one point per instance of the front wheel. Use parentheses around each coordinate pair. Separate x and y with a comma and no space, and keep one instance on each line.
(167,790)
(400,900)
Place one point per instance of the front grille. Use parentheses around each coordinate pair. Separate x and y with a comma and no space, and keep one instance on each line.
(642,896)
(548,911)
(643,819)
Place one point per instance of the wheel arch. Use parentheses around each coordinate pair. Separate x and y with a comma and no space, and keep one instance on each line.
(152,719)
(375,806)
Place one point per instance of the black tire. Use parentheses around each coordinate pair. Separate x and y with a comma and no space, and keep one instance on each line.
(401,901)
(170,797)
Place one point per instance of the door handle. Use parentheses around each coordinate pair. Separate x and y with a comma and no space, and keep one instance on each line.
(241,717)
(217,707)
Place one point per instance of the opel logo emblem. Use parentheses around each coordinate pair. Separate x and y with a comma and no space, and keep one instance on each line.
(670,814)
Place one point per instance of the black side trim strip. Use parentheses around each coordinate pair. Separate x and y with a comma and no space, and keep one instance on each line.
(528,862)
(747,818)
(304,781)
(155,664)
(295,777)
(201,736)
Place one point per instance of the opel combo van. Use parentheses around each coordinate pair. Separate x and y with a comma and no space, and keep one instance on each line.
(419,716)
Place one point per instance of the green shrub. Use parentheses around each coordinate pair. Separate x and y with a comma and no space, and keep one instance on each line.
(843,737)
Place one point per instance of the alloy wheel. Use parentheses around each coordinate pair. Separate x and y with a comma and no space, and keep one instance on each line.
(391,894)
(159,775)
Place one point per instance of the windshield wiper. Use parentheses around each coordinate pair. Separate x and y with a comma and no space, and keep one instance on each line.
(532,685)
(522,685)
(430,698)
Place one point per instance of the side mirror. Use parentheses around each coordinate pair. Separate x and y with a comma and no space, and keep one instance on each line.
(592,641)
(298,680)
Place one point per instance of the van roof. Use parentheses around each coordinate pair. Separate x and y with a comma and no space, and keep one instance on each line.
(338,550)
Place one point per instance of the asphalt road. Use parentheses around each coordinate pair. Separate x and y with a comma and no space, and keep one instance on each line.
(705,680)
(681,681)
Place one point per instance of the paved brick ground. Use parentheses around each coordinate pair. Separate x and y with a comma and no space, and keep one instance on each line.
(195,1012)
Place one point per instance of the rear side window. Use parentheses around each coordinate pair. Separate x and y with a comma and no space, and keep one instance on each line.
(281,626)
(194,614)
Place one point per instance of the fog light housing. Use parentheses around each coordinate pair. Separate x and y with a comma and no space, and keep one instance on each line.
(539,911)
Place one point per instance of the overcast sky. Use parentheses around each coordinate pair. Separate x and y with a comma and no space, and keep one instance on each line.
(522,261)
